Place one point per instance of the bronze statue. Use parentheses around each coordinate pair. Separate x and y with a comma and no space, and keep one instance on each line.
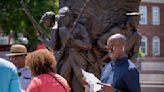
(51,21)
(39,29)
(104,18)
(79,34)
(48,19)
(129,29)
(76,49)
(133,36)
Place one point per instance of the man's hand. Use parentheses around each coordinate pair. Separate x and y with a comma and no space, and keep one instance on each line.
(84,82)
(107,87)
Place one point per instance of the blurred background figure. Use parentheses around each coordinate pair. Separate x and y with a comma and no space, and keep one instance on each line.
(43,67)
(9,81)
(17,56)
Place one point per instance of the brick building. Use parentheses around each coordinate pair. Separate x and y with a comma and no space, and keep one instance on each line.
(152,29)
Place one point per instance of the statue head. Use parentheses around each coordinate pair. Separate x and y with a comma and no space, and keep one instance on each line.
(64,11)
(48,19)
(65,15)
(133,18)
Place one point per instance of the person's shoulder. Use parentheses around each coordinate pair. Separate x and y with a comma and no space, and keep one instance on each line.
(131,65)
(131,69)
(6,64)
(7,68)
(36,81)
(59,77)
(62,80)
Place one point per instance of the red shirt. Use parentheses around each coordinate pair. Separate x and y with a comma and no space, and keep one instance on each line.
(47,83)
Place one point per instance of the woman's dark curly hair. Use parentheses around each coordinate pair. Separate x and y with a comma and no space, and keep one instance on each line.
(41,61)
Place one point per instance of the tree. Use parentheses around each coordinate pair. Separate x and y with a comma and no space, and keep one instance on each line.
(14,19)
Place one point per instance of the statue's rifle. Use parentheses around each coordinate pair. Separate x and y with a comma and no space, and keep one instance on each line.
(72,29)
(38,28)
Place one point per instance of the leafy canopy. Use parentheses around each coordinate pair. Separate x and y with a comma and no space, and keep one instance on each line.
(14,19)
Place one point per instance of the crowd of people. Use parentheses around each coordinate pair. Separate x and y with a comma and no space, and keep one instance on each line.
(30,72)
(36,71)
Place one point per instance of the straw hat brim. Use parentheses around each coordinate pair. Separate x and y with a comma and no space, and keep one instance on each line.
(15,54)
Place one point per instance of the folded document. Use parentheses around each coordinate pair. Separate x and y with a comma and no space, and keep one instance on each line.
(92,81)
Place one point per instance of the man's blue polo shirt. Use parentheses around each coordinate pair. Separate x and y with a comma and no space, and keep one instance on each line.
(122,75)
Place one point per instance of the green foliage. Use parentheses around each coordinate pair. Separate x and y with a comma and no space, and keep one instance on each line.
(14,19)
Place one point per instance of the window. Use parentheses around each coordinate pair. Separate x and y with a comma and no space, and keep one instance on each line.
(143,45)
(143,17)
(156,45)
(155,15)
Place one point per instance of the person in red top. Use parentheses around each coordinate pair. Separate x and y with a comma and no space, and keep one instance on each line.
(43,67)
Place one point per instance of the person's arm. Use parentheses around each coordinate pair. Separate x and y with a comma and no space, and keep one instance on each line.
(108,88)
(131,79)
(14,83)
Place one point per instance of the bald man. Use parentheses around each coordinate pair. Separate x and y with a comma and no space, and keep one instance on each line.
(119,75)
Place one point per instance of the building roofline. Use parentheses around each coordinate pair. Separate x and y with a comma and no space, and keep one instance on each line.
(152,1)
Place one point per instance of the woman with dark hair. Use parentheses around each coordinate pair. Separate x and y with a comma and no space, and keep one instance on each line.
(45,79)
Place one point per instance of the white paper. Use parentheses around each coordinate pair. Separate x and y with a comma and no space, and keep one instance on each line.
(92,81)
